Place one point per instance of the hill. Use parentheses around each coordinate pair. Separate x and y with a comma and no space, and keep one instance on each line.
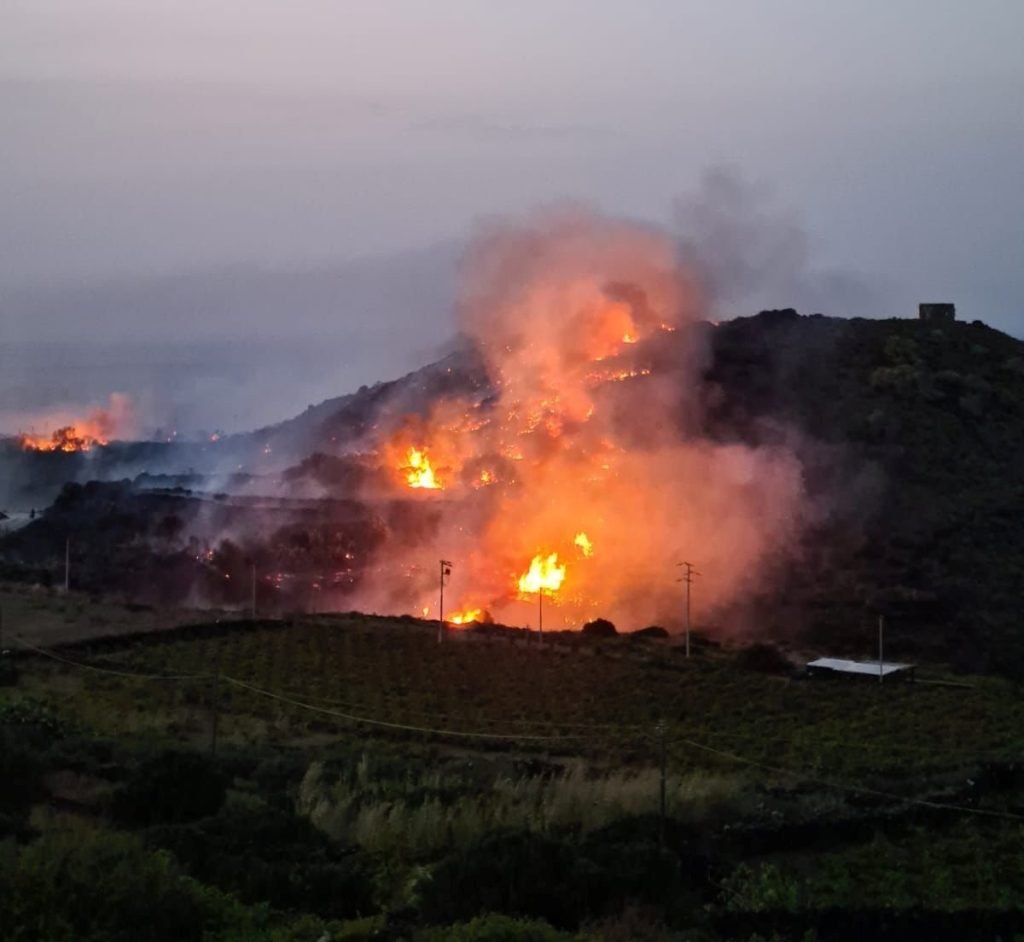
(911,437)
(913,440)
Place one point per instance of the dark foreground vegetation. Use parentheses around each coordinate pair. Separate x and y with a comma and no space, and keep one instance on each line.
(347,778)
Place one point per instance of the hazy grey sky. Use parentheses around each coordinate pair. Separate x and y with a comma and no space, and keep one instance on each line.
(164,161)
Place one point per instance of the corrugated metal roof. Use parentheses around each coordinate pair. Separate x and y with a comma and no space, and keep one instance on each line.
(858,667)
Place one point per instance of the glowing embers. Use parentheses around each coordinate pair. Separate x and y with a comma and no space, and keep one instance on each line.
(582,542)
(485,478)
(69,438)
(545,574)
(419,473)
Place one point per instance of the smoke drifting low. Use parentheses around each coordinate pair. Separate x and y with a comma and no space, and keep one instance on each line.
(587,453)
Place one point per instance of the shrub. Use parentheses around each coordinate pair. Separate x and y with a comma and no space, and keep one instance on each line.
(494,927)
(649,633)
(170,786)
(512,872)
(763,658)
(8,670)
(97,885)
(264,854)
(599,628)
(20,774)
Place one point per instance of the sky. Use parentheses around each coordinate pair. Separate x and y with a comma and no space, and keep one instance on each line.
(232,208)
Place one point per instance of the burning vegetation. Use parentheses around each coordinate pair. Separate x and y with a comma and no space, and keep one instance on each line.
(81,433)
(68,438)
(566,471)
(581,473)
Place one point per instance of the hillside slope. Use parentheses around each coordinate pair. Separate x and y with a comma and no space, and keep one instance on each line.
(911,438)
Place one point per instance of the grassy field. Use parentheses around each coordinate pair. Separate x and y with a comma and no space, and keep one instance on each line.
(358,675)
(48,616)
(808,796)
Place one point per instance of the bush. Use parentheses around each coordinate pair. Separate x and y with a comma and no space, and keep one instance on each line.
(268,855)
(494,927)
(21,770)
(763,658)
(8,670)
(513,872)
(170,787)
(529,875)
(96,886)
(599,628)
(651,632)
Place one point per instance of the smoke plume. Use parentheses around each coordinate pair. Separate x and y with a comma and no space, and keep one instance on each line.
(584,456)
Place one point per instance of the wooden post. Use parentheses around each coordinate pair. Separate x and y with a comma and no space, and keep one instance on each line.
(215,702)
(662,763)
(881,631)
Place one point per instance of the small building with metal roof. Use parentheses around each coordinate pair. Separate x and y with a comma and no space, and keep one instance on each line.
(835,666)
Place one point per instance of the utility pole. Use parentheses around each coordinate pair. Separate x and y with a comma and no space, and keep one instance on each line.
(660,729)
(540,615)
(254,589)
(67,565)
(446,570)
(881,632)
(688,579)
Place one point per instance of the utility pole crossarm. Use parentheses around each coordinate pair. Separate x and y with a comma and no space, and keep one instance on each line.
(688,577)
(446,570)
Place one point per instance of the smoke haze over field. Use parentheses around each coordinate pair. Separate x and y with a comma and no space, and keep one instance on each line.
(178,177)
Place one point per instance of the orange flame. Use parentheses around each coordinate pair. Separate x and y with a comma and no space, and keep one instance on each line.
(467,617)
(419,472)
(68,438)
(544,575)
(81,433)
(583,542)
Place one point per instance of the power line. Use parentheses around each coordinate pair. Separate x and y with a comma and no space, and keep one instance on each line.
(519,737)
(290,695)
(105,670)
(352,717)
(855,789)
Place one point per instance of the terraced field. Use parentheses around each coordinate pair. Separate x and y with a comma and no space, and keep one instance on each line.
(382,677)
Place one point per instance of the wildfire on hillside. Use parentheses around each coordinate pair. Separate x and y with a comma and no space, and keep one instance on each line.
(586,439)
(68,438)
(80,433)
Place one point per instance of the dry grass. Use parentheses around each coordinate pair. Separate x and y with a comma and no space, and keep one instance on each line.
(421,820)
